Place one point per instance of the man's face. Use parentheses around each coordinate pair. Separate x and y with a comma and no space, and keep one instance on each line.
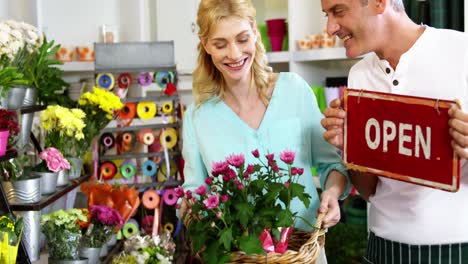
(232,47)
(353,22)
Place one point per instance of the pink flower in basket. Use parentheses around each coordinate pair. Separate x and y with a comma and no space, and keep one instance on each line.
(54,160)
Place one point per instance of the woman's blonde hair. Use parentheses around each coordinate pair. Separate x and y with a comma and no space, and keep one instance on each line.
(208,81)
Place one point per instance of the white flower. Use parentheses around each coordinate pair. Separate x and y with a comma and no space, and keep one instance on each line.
(5,28)
(17,34)
(4,37)
(32,36)
(156,240)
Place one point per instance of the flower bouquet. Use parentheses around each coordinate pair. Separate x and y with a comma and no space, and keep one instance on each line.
(243,213)
(100,107)
(9,127)
(52,161)
(147,250)
(63,126)
(104,221)
(10,237)
(63,234)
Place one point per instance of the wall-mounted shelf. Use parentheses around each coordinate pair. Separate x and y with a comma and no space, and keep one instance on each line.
(140,127)
(138,155)
(163,97)
(320,54)
(77,66)
(47,200)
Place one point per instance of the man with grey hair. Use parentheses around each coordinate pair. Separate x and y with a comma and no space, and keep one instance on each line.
(408,223)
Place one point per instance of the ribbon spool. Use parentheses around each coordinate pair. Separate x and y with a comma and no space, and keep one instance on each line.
(149,168)
(162,78)
(128,111)
(107,170)
(145,79)
(150,199)
(167,107)
(105,81)
(168,138)
(162,171)
(128,169)
(124,80)
(170,197)
(107,140)
(131,228)
(168,227)
(127,140)
(146,110)
(146,136)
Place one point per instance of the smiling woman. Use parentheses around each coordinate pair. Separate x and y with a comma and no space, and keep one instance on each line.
(241,104)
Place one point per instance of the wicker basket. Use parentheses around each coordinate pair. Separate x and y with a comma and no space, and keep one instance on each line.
(303,247)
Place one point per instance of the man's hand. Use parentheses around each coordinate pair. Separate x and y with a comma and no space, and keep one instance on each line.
(333,123)
(458,124)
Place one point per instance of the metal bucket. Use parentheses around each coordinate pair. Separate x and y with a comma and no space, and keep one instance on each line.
(23,191)
(30,99)
(63,179)
(14,98)
(48,181)
(31,233)
(75,168)
(92,254)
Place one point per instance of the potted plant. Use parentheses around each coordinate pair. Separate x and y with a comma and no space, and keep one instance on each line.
(244,208)
(52,162)
(62,231)
(9,130)
(17,42)
(104,222)
(63,130)
(10,237)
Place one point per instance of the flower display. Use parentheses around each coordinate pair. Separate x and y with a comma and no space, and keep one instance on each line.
(103,222)
(147,250)
(62,231)
(63,126)
(9,121)
(241,206)
(53,160)
(100,107)
(17,35)
(10,236)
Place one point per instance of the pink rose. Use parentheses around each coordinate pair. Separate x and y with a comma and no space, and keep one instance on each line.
(236,160)
(287,156)
(211,202)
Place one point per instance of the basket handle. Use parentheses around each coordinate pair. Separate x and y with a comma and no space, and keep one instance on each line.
(318,221)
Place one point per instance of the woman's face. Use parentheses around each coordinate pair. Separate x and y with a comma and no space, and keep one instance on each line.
(231,45)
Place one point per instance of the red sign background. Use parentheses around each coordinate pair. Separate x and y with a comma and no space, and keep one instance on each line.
(440,171)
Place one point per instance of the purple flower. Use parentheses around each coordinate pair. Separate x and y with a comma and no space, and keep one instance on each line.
(270,157)
(236,160)
(250,169)
(179,191)
(219,168)
(224,198)
(106,215)
(211,202)
(255,153)
(201,190)
(293,171)
(209,180)
(300,171)
(287,156)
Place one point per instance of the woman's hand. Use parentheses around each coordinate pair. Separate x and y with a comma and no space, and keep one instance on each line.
(329,204)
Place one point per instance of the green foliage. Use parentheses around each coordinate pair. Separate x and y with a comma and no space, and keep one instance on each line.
(11,226)
(346,243)
(41,72)
(9,76)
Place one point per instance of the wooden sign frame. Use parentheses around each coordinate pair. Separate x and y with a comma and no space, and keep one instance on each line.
(361,104)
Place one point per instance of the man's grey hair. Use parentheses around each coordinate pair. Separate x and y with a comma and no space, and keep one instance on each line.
(397,5)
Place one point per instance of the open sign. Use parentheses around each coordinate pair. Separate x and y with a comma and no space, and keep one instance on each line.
(400,137)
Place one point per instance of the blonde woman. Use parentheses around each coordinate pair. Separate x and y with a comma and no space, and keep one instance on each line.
(241,105)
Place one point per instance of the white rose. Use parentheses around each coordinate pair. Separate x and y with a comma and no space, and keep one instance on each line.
(4,37)
(17,34)
(5,28)
(13,24)
(32,36)
(27,26)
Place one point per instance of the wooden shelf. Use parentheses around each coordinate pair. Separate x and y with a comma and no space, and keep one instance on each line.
(47,200)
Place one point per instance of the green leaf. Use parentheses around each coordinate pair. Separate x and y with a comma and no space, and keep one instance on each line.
(285,218)
(211,253)
(251,245)
(298,191)
(226,238)
(244,212)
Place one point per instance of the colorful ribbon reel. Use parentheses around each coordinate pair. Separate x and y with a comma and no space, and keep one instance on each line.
(107,140)
(128,169)
(128,111)
(105,81)
(124,80)
(146,136)
(145,79)
(162,78)
(108,170)
(168,138)
(167,107)
(146,110)
(127,141)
